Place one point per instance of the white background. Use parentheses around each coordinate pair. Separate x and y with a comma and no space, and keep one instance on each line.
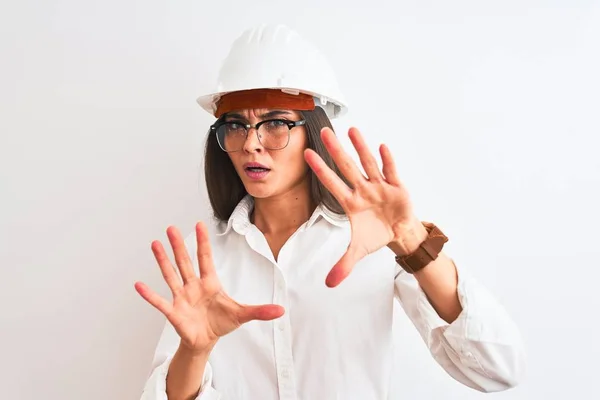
(491,109)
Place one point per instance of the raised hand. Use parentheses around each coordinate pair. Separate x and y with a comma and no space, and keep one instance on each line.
(200,310)
(377,205)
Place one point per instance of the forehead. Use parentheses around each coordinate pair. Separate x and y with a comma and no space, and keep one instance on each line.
(262,113)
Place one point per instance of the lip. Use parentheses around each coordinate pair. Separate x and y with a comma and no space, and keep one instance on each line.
(256,175)
(255,165)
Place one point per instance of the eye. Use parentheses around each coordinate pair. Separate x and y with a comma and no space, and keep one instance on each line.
(232,128)
(235,125)
(276,123)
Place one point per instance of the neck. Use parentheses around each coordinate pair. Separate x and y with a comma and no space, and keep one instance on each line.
(284,212)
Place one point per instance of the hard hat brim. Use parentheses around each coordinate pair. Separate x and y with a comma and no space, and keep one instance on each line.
(209,101)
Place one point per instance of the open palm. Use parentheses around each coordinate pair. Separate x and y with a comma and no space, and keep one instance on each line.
(377,205)
(200,310)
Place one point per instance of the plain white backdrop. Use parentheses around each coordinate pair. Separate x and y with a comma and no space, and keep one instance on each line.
(491,110)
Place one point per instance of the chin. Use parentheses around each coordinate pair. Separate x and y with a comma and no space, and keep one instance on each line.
(259,190)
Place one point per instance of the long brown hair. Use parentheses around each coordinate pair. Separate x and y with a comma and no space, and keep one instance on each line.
(226,190)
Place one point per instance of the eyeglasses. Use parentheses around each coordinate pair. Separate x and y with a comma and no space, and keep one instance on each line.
(273,134)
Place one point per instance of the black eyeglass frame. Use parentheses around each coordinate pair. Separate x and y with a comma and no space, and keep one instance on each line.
(290,124)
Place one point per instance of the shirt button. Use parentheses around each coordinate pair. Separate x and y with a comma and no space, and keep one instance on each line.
(281,326)
(285,373)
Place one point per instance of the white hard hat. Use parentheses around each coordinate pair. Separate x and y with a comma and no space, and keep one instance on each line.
(276,57)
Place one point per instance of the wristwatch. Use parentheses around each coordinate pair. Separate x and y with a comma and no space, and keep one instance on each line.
(427,252)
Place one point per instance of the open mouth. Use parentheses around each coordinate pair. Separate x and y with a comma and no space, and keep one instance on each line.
(257,169)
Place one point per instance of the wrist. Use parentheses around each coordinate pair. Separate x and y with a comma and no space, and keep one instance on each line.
(410,239)
(192,353)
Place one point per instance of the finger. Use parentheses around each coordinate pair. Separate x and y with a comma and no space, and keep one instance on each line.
(344,162)
(330,179)
(262,313)
(389,167)
(182,258)
(205,261)
(166,268)
(367,159)
(343,267)
(154,299)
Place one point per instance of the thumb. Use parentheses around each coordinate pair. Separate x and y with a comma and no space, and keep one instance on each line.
(265,312)
(343,267)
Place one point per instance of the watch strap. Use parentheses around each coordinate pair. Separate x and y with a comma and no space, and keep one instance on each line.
(427,252)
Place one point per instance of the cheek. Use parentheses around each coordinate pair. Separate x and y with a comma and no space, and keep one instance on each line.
(235,160)
(293,164)
(293,159)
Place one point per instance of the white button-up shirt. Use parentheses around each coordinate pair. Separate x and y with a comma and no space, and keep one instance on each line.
(334,343)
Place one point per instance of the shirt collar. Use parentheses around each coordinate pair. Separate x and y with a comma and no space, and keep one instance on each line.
(239,220)
(240,217)
(321,211)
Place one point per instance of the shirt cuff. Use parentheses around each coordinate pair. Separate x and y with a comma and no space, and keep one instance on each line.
(482,321)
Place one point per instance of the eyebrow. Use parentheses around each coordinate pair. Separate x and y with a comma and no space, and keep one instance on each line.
(267,115)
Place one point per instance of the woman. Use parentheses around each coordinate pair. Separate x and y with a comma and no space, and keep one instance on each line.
(292,298)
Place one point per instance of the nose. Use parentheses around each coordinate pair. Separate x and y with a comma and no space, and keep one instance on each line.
(252,143)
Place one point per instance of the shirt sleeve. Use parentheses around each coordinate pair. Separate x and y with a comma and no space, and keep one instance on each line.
(155,387)
(482,348)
